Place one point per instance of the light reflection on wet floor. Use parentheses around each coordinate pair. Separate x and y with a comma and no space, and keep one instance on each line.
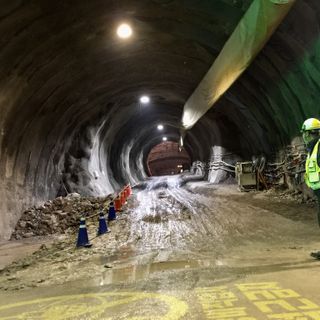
(177,247)
(134,273)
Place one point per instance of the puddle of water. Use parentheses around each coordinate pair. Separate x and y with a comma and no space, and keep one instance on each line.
(132,273)
(126,253)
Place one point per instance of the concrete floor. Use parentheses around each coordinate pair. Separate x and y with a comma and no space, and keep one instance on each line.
(192,252)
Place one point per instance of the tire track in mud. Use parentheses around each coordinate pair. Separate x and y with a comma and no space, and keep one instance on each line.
(206,215)
(156,223)
(213,223)
(196,216)
(201,230)
(229,223)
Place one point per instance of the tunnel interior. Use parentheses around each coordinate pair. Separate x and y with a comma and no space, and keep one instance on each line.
(167,158)
(71,116)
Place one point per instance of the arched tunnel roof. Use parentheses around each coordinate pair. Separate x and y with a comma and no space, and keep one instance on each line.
(71,119)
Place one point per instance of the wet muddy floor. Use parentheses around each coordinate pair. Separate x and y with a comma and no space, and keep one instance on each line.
(196,251)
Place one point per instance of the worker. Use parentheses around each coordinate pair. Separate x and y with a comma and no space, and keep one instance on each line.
(311,136)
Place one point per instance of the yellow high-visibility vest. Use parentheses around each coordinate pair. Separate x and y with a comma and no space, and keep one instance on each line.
(312,176)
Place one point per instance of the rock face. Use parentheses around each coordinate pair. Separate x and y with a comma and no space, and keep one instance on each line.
(57,216)
(70,117)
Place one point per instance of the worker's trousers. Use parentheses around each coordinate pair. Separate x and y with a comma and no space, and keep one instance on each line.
(317,193)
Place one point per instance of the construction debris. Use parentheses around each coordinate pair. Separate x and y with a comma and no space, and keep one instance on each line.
(57,216)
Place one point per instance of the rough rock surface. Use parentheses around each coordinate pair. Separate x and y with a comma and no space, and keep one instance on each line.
(57,216)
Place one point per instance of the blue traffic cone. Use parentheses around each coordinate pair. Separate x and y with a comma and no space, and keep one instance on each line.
(103,227)
(83,240)
(112,212)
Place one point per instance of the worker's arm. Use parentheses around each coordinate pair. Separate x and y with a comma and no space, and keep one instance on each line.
(318,157)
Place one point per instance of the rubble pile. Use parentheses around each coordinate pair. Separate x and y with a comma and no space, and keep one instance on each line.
(57,216)
(291,195)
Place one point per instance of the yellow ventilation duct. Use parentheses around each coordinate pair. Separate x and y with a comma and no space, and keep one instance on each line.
(253,31)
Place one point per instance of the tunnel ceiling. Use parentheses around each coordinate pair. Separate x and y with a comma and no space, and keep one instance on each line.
(69,90)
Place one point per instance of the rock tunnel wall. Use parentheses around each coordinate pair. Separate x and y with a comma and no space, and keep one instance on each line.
(70,117)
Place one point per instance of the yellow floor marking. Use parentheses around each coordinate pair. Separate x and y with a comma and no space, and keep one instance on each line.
(63,307)
(248,301)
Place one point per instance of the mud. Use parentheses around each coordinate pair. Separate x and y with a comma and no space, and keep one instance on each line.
(178,232)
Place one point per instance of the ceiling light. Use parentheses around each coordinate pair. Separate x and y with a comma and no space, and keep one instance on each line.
(164,139)
(124,31)
(160,127)
(145,99)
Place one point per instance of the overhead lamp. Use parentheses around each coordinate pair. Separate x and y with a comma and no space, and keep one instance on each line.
(164,139)
(160,127)
(145,99)
(124,31)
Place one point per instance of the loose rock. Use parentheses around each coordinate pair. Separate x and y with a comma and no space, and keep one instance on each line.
(57,216)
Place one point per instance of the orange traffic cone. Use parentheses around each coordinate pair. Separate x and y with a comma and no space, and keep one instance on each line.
(123,198)
(118,204)
(126,192)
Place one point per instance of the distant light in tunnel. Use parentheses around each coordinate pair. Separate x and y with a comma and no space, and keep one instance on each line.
(145,99)
(160,127)
(181,142)
(164,139)
(124,31)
